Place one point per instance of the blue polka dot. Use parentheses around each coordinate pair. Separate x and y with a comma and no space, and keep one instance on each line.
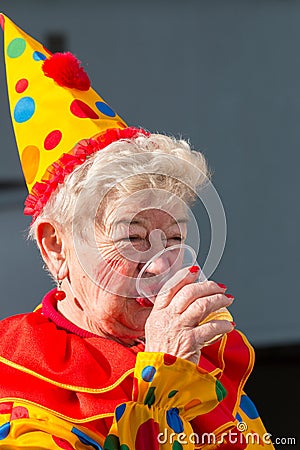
(4,430)
(85,439)
(174,421)
(38,56)
(120,411)
(105,109)
(238,417)
(148,373)
(24,109)
(248,407)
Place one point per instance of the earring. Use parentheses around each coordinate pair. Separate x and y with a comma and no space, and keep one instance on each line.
(59,294)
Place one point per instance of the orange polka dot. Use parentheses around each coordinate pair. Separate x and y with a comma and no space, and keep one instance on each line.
(192,403)
(30,162)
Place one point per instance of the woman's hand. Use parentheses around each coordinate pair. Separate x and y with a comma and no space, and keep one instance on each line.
(173,325)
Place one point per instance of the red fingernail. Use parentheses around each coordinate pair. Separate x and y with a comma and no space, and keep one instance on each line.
(229,296)
(233,324)
(194,269)
(223,286)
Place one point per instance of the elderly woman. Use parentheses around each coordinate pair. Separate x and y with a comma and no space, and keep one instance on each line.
(97,365)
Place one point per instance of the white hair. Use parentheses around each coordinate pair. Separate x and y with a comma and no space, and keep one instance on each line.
(121,169)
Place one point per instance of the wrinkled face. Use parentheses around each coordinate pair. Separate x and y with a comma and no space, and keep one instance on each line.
(133,240)
(105,271)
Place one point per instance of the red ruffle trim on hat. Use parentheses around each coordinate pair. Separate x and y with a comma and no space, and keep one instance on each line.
(57,172)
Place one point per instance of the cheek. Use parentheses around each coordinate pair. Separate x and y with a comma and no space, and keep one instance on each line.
(112,260)
(115,274)
(122,266)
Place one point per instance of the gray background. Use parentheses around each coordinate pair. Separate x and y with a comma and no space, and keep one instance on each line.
(225,74)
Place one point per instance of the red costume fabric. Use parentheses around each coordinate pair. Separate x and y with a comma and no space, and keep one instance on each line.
(81,376)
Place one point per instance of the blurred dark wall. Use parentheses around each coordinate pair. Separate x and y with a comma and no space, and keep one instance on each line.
(226,75)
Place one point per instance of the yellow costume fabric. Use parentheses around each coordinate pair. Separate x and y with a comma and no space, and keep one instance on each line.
(168,392)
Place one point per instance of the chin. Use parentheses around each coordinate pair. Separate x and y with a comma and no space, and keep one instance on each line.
(140,316)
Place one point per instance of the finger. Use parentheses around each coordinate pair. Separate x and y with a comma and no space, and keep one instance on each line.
(210,330)
(188,294)
(183,277)
(202,307)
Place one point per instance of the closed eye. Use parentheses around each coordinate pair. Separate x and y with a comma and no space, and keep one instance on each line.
(132,238)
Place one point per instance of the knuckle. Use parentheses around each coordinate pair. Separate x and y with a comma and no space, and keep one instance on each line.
(215,325)
(188,289)
(202,304)
(220,298)
(212,284)
(193,289)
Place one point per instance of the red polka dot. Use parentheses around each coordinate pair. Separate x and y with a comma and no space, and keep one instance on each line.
(21,85)
(147,436)
(62,443)
(19,412)
(121,124)
(6,408)
(82,110)
(52,140)
(2,21)
(135,389)
(169,359)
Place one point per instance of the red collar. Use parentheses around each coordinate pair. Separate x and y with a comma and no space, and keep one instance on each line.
(49,310)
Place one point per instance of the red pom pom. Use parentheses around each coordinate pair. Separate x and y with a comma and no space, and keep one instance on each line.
(65,69)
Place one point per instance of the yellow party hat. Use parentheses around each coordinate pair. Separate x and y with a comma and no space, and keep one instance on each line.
(52,107)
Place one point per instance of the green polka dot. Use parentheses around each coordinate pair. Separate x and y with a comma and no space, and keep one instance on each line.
(16,48)
(172,393)
(124,447)
(150,397)
(111,442)
(176,446)
(220,390)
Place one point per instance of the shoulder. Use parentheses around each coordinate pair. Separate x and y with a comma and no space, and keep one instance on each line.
(23,332)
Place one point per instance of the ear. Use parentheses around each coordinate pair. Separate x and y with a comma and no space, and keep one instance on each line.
(53,248)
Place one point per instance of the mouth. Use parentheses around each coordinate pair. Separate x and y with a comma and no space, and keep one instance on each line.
(143,301)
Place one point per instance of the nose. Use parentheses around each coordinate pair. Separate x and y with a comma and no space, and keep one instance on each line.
(159,265)
(157,241)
